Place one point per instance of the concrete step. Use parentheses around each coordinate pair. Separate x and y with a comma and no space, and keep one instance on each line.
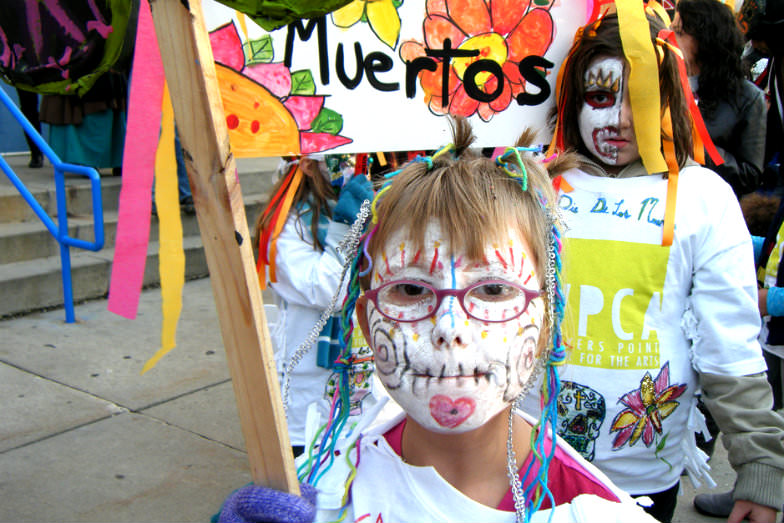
(30,269)
(78,197)
(38,285)
(255,175)
(30,240)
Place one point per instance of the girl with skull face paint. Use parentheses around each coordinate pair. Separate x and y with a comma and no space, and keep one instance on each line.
(462,306)
(662,291)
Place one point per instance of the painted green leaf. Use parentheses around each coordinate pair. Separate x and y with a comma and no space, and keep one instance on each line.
(661,443)
(302,83)
(259,51)
(327,121)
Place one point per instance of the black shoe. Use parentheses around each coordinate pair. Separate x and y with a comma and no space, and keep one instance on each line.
(714,505)
(36,161)
(186,205)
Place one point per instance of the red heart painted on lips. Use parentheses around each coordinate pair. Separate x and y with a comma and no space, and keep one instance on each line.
(448,413)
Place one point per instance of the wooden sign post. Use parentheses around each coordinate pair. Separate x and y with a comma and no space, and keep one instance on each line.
(190,73)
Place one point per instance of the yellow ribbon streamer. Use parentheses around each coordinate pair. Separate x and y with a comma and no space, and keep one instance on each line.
(643,82)
(656,8)
(171,257)
(668,229)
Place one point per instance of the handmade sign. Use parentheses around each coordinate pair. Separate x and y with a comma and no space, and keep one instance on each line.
(383,75)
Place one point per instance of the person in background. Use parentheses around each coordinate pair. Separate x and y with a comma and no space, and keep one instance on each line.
(298,257)
(763,24)
(28,104)
(732,107)
(663,302)
(90,129)
(764,215)
(183,183)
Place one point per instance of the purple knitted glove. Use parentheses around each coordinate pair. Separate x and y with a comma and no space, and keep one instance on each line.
(254,504)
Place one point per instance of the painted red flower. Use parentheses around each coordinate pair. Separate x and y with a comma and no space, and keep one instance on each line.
(647,407)
(505,31)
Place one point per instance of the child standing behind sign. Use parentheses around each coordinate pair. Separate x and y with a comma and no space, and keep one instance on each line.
(661,290)
(462,307)
(297,237)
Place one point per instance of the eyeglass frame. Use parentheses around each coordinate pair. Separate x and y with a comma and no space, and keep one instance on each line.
(460,294)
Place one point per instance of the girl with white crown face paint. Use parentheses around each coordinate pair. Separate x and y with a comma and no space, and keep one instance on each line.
(452,372)
(605,119)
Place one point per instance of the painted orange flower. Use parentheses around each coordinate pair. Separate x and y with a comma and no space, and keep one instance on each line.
(504,31)
(270,111)
(647,407)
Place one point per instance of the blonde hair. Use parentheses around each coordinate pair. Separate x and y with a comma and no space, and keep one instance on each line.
(474,200)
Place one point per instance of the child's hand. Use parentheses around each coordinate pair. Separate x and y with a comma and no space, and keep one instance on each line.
(255,504)
(356,191)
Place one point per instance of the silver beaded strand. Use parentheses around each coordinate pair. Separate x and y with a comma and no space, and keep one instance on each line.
(521,513)
(348,247)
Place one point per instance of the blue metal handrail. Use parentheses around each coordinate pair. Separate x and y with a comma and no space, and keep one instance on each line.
(59,230)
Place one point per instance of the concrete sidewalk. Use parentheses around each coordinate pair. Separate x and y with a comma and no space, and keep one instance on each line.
(84,437)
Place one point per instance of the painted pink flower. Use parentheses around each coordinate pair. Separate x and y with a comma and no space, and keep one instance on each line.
(647,407)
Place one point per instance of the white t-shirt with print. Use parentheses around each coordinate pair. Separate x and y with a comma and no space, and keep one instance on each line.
(642,319)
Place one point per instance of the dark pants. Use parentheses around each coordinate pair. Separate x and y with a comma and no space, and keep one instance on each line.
(664,503)
(28,104)
(774,377)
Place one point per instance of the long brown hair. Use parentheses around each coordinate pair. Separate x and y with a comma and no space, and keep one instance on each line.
(314,189)
(602,39)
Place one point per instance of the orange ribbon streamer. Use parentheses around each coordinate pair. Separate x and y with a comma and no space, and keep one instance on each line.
(275,226)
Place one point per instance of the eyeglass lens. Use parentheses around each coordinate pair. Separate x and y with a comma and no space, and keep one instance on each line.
(492,301)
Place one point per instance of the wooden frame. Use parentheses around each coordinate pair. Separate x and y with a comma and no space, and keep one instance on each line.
(190,73)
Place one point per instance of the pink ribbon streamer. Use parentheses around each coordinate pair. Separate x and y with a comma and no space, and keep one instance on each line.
(141,141)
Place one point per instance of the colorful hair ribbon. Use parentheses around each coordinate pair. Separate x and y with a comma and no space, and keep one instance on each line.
(654,7)
(516,170)
(279,206)
(557,143)
(668,228)
(643,82)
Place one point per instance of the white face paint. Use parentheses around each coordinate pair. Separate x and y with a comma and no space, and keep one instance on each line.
(605,120)
(450,372)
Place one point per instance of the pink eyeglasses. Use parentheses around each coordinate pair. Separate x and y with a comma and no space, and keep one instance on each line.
(493,301)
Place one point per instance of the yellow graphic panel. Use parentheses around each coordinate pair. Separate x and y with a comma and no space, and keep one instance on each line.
(611,308)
